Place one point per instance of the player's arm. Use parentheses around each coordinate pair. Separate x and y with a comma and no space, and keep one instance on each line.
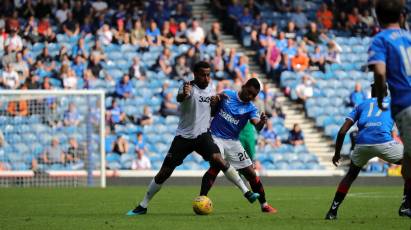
(380,85)
(185,92)
(217,99)
(340,139)
(259,122)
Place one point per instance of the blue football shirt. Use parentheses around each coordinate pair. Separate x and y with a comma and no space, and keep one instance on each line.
(393,47)
(231,116)
(374,125)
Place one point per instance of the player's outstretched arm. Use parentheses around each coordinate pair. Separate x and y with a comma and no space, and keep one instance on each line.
(259,122)
(380,83)
(340,140)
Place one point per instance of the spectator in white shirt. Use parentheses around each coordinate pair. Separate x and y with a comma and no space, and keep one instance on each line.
(62,13)
(20,66)
(105,34)
(70,81)
(10,78)
(195,33)
(142,162)
(136,70)
(305,89)
(14,41)
(99,7)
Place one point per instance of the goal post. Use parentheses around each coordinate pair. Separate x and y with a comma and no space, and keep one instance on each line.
(52,138)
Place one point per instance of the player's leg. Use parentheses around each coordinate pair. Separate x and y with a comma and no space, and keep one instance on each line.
(403,121)
(211,175)
(393,153)
(180,148)
(210,152)
(256,185)
(360,156)
(208,180)
(239,158)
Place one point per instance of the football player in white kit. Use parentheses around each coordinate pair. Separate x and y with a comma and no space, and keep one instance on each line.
(196,98)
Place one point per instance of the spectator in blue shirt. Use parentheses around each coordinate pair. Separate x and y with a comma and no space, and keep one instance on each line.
(124,87)
(153,34)
(269,136)
(140,144)
(80,49)
(235,10)
(357,97)
(296,136)
(246,20)
(71,116)
(291,49)
(78,66)
(242,70)
(299,18)
(115,114)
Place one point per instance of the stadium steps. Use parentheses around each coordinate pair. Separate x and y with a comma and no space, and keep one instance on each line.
(315,141)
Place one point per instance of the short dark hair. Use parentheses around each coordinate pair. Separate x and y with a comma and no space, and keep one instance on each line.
(253,82)
(201,65)
(389,11)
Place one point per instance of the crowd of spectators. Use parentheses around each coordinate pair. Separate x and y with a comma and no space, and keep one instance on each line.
(69,45)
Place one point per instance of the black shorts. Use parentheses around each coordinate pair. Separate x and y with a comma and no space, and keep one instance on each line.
(181,147)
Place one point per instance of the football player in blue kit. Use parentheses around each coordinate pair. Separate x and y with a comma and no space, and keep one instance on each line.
(374,139)
(231,115)
(390,60)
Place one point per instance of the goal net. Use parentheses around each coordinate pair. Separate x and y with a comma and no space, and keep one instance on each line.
(52,138)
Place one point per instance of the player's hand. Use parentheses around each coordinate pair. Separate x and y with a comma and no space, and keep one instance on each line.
(335,159)
(187,89)
(381,104)
(263,118)
(217,98)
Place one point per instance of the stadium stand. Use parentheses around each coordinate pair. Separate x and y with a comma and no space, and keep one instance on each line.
(94,44)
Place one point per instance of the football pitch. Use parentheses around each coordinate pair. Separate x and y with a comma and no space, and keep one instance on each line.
(298,208)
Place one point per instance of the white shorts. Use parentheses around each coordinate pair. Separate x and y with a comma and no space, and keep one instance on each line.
(233,152)
(403,120)
(391,152)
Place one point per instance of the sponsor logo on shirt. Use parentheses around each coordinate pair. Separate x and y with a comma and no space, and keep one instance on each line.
(229,118)
(373,124)
(204,99)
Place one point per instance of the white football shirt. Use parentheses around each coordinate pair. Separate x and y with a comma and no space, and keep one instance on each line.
(195,112)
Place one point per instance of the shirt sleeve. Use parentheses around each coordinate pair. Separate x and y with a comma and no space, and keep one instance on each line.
(254,113)
(377,52)
(354,114)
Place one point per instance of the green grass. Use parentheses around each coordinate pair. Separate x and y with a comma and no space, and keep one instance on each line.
(299,208)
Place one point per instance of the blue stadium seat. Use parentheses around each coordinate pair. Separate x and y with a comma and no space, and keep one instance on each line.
(19,166)
(126,160)
(308,158)
(332,130)
(112,157)
(297,165)
(282,165)
(275,157)
(289,157)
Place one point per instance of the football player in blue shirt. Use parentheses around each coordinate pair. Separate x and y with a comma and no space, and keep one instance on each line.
(390,59)
(231,115)
(374,139)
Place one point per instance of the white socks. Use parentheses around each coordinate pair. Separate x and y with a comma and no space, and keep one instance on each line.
(233,176)
(153,188)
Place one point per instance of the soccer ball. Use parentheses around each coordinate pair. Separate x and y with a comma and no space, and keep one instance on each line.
(202,205)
